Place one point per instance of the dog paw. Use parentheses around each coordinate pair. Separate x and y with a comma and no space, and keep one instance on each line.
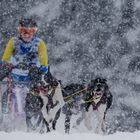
(42,131)
(74,126)
(99,131)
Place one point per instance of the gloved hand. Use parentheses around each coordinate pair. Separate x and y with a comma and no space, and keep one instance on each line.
(1,62)
(5,69)
(43,69)
(5,63)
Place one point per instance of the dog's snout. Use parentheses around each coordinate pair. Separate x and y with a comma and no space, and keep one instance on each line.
(98,89)
(98,85)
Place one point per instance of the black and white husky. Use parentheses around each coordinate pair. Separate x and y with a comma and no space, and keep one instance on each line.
(48,97)
(73,96)
(98,101)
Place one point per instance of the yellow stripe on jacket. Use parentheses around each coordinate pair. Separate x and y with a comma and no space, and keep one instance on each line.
(8,51)
(42,52)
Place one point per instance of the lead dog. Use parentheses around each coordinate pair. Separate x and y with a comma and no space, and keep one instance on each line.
(98,101)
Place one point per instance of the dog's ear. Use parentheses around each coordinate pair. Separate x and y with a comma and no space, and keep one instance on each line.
(55,83)
(60,82)
(104,80)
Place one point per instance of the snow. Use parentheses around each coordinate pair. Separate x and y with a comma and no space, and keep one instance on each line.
(60,136)
(118,3)
(50,9)
(137,4)
(132,35)
(80,34)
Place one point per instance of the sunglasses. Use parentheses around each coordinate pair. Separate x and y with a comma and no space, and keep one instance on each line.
(31,30)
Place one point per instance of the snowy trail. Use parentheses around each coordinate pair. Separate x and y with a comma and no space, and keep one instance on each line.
(60,136)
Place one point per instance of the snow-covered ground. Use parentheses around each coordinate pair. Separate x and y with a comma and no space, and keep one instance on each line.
(60,136)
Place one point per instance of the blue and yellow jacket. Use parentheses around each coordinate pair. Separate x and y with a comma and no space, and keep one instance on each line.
(41,48)
(32,52)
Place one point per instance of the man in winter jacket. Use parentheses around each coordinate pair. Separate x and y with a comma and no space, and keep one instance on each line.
(26,48)
(20,53)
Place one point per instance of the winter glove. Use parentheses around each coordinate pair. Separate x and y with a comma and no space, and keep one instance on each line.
(2,62)
(43,69)
(5,69)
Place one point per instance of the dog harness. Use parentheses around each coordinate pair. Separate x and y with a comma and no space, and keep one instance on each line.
(95,102)
(103,100)
(44,91)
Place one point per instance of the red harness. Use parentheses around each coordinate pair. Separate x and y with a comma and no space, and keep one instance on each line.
(41,89)
(44,91)
(103,100)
